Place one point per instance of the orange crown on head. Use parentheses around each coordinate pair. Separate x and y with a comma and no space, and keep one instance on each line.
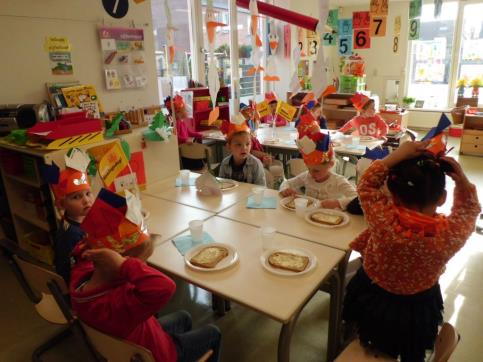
(359,100)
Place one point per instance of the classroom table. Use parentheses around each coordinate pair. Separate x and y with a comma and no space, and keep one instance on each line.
(188,195)
(281,298)
(286,222)
(168,218)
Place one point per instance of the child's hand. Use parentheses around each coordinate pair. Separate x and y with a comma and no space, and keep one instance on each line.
(330,204)
(457,174)
(288,192)
(267,160)
(406,151)
(108,260)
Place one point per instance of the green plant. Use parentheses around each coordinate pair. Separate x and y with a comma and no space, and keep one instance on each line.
(409,100)
(476,82)
(244,51)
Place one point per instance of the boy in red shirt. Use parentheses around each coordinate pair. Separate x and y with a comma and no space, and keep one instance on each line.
(368,123)
(113,290)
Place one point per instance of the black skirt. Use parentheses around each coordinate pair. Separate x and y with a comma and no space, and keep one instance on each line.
(398,325)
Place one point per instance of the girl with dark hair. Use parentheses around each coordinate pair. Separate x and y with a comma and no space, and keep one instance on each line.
(395,300)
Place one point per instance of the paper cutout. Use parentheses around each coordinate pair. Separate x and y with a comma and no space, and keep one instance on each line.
(414,28)
(170,29)
(208,185)
(377,153)
(378,26)
(362,40)
(379,7)
(361,20)
(77,160)
(345,45)
(263,109)
(333,19)
(285,111)
(397,25)
(437,145)
(306,145)
(273,37)
(112,163)
(133,212)
(443,123)
(294,85)
(415,8)
(345,27)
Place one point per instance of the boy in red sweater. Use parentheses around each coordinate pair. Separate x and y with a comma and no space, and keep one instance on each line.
(113,290)
(368,123)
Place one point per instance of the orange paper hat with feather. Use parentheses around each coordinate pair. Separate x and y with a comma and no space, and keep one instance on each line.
(236,124)
(70,181)
(314,145)
(359,100)
(178,102)
(107,226)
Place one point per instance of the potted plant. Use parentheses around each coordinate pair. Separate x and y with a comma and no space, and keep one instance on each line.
(408,101)
(476,83)
(461,85)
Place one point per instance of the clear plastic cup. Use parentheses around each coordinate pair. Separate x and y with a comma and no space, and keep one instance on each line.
(185,177)
(258,194)
(356,140)
(267,235)
(196,229)
(300,206)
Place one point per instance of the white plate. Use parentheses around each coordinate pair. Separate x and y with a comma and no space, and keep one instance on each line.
(311,265)
(226,262)
(367,138)
(286,200)
(230,184)
(345,217)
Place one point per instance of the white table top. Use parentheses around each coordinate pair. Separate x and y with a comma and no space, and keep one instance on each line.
(187,195)
(356,150)
(247,282)
(169,218)
(286,222)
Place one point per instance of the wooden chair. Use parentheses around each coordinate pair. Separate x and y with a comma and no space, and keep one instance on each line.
(296,166)
(119,350)
(197,151)
(446,342)
(36,280)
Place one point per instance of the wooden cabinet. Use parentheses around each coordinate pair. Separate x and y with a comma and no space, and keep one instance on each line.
(401,118)
(338,109)
(472,137)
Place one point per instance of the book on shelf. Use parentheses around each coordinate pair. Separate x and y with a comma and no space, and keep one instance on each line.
(54,92)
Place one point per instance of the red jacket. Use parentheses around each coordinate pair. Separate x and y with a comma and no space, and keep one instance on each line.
(125,309)
(373,126)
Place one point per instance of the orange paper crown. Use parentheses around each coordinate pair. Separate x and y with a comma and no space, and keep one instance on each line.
(178,103)
(309,133)
(70,181)
(106,225)
(271,97)
(359,100)
(229,129)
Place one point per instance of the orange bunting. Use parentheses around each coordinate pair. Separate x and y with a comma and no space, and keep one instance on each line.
(271,78)
(213,117)
(329,90)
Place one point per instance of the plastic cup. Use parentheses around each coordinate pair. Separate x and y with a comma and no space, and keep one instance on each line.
(185,177)
(267,234)
(300,206)
(356,140)
(258,194)
(196,229)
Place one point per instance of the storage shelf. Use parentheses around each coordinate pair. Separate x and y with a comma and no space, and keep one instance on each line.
(24,180)
(32,219)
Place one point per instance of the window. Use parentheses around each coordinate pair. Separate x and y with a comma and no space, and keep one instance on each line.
(431,56)
(180,70)
(222,49)
(471,53)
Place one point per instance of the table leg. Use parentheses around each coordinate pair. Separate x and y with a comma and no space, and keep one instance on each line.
(335,285)
(285,338)
(219,305)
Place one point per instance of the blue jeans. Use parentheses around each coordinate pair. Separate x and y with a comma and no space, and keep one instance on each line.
(191,345)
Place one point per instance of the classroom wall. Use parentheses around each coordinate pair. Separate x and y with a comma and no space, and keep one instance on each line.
(24,64)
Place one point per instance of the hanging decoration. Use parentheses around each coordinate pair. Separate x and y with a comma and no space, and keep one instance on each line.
(256,56)
(213,78)
(319,74)
(170,29)
(272,37)
(271,71)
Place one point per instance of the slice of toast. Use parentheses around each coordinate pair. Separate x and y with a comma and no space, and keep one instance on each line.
(209,257)
(326,219)
(288,261)
(291,203)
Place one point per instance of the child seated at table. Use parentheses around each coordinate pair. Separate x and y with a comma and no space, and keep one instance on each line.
(73,196)
(113,290)
(252,121)
(240,165)
(319,116)
(183,132)
(272,100)
(395,300)
(367,123)
(334,191)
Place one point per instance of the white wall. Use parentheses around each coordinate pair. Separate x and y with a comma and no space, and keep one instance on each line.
(381,62)
(24,64)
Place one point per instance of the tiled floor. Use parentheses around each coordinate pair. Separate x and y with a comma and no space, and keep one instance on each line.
(247,336)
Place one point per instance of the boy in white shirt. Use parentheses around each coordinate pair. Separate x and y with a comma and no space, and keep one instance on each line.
(334,191)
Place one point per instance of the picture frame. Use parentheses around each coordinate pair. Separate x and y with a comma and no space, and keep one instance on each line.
(419,104)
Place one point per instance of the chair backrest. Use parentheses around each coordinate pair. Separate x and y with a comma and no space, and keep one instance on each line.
(38,277)
(116,349)
(446,343)
(296,166)
(356,352)
(194,151)
(268,178)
